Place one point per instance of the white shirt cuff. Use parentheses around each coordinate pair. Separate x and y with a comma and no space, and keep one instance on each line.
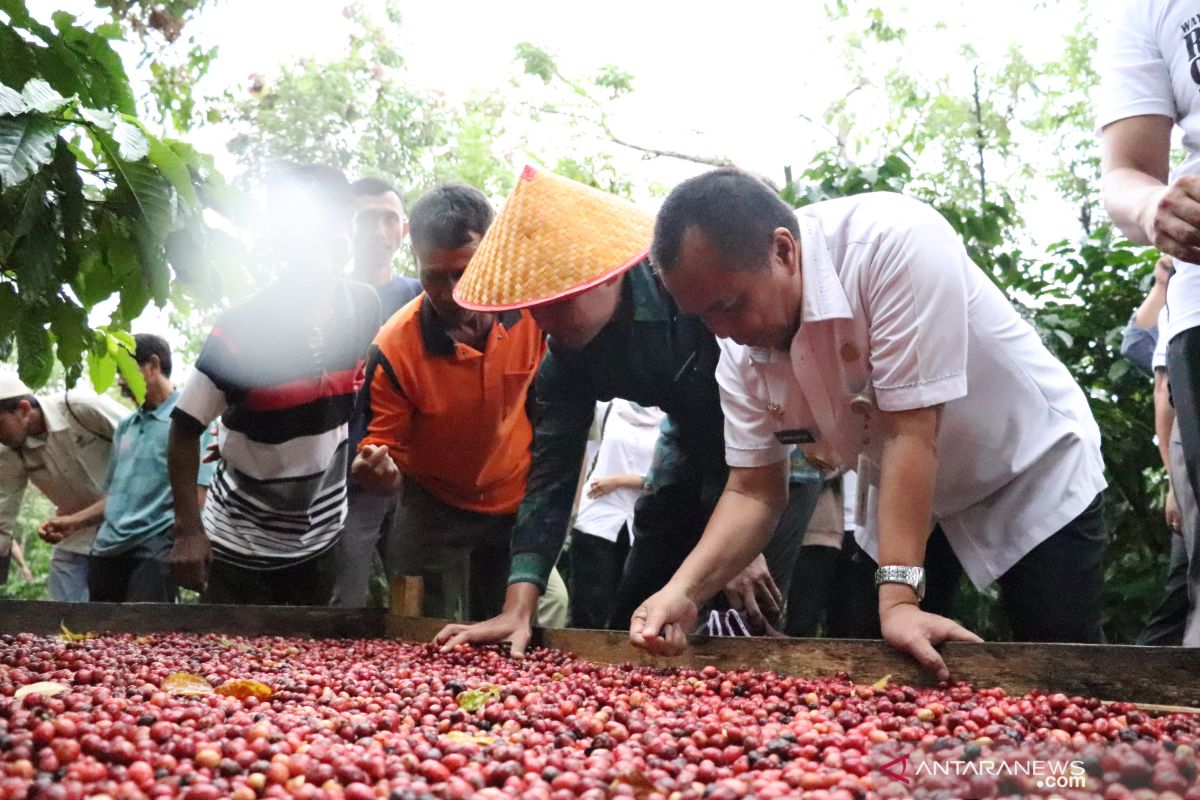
(922,394)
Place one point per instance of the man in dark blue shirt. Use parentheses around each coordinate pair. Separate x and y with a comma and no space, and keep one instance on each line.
(380,228)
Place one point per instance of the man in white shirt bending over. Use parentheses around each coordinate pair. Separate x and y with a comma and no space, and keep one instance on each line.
(861,327)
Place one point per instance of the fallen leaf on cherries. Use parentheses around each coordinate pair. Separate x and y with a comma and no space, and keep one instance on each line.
(241,689)
(44,688)
(882,682)
(68,636)
(186,684)
(475,699)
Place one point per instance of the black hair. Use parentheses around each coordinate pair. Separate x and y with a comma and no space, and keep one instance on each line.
(446,216)
(369,187)
(735,211)
(11,403)
(150,345)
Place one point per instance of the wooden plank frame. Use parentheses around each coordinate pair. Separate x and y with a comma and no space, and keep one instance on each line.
(1145,675)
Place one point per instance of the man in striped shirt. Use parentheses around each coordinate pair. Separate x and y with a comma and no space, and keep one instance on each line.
(281,371)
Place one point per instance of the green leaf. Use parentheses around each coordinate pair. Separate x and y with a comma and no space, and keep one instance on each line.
(26,144)
(102,369)
(35,359)
(131,141)
(174,170)
(10,305)
(11,103)
(105,120)
(148,192)
(130,372)
(474,700)
(39,96)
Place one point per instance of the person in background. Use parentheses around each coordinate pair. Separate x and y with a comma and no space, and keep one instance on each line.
(603,529)
(15,553)
(1149,82)
(60,443)
(380,229)
(128,563)
(448,428)
(1140,337)
(817,587)
(281,370)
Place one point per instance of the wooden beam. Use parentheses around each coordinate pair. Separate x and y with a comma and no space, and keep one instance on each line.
(17,616)
(1167,676)
(1152,675)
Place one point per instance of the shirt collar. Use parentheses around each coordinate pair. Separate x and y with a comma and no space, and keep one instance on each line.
(822,297)
(56,420)
(440,344)
(163,410)
(651,303)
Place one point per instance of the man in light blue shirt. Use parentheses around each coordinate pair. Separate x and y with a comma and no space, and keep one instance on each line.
(128,561)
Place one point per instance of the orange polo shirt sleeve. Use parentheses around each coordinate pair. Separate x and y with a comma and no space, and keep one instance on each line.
(452,417)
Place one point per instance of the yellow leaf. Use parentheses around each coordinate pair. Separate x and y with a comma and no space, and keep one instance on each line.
(186,683)
(245,688)
(67,636)
(462,737)
(882,682)
(44,688)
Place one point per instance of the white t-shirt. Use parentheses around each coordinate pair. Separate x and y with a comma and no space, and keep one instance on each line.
(1149,61)
(896,316)
(626,448)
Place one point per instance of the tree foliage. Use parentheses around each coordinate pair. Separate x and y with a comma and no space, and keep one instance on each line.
(360,112)
(95,211)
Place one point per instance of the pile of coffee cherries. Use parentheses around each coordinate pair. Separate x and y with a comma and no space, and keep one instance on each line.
(207,717)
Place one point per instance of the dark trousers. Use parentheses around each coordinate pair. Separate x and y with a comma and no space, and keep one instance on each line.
(1183,365)
(1050,595)
(819,598)
(666,530)
(1169,618)
(137,575)
(462,556)
(596,567)
(309,583)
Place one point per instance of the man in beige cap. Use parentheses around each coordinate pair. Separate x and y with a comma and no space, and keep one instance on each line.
(576,258)
(61,444)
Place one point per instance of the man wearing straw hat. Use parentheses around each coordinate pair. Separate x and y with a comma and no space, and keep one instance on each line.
(576,258)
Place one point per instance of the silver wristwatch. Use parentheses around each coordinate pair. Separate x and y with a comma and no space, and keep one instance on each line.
(909,576)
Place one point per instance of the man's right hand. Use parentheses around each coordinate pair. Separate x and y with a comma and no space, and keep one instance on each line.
(374,470)
(190,557)
(1174,516)
(513,623)
(1172,224)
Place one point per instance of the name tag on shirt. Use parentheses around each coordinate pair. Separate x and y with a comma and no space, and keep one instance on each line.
(796,436)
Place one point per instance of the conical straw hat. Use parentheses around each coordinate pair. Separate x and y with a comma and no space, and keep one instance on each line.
(554,238)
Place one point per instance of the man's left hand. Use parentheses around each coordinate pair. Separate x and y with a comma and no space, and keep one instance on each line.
(755,593)
(906,627)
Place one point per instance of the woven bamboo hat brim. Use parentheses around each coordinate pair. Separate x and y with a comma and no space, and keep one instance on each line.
(554,238)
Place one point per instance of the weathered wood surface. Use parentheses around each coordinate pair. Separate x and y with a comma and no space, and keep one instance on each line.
(1147,675)
(1150,675)
(312,622)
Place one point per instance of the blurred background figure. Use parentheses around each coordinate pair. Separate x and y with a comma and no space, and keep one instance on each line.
(603,531)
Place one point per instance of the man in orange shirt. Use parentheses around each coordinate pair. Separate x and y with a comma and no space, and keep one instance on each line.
(448,426)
